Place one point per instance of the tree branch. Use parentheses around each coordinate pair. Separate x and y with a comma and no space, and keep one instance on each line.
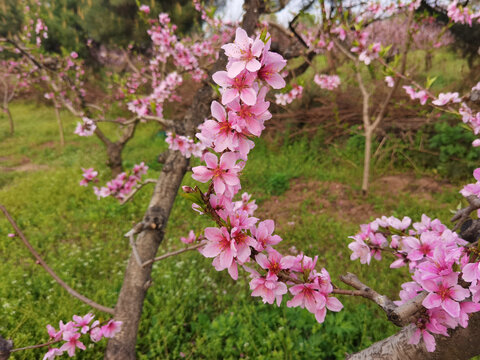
(49,270)
(136,189)
(173,253)
(464,214)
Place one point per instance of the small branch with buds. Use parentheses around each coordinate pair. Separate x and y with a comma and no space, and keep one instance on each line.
(399,315)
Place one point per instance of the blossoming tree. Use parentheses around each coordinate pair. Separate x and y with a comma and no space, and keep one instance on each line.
(444,266)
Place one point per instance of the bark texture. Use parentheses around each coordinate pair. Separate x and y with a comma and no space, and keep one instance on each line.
(462,344)
(114,158)
(5,347)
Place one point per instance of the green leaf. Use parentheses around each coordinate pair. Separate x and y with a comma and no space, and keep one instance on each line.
(430,81)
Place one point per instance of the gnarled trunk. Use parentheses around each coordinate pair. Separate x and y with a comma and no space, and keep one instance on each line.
(114,161)
(462,344)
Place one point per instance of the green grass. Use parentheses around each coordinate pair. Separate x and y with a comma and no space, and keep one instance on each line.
(190,308)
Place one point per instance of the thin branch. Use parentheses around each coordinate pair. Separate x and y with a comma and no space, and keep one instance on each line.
(35,346)
(50,271)
(381,300)
(292,28)
(399,315)
(164,122)
(136,189)
(366,99)
(403,67)
(173,253)
(128,132)
(464,214)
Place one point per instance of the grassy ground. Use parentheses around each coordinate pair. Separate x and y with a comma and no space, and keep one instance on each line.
(312,192)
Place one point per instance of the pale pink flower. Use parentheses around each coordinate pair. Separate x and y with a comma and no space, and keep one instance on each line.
(307,296)
(428,339)
(86,129)
(88,175)
(82,322)
(240,86)
(269,289)
(223,174)
(242,243)
(332,304)
(111,328)
(446,98)
(446,293)
(189,239)
(71,343)
(328,82)
(219,245)
(96,333)
(389,80)
(471,272)
(263,235)
(250,119)
(275,262)
(54,335)
(52,353)
(472,189)
(272,63)
(145,9)
(243,53)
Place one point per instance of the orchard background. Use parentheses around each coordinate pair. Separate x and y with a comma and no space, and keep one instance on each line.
(305,173)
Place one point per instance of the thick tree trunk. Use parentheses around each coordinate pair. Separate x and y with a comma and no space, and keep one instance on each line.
(114,161)
(462,344)
(5,347)
(137,279)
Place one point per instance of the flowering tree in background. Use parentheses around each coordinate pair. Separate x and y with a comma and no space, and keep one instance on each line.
(14,79)
(444,266)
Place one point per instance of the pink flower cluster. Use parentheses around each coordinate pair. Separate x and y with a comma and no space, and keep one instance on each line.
(240,238)
(434,255)
(163,91)
(87,128)
(89,175)
(366,52)
(462,15)
(73,330)
(444,99)
(472,189)
(185,54)
(123,184)
(472,119)
(185,145)
(421,95)
(287,98)
(327,82)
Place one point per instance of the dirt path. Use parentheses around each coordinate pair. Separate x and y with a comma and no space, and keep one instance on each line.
(341,201)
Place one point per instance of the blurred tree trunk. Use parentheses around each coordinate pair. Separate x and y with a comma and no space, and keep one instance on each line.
(10,118)
(60,125)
